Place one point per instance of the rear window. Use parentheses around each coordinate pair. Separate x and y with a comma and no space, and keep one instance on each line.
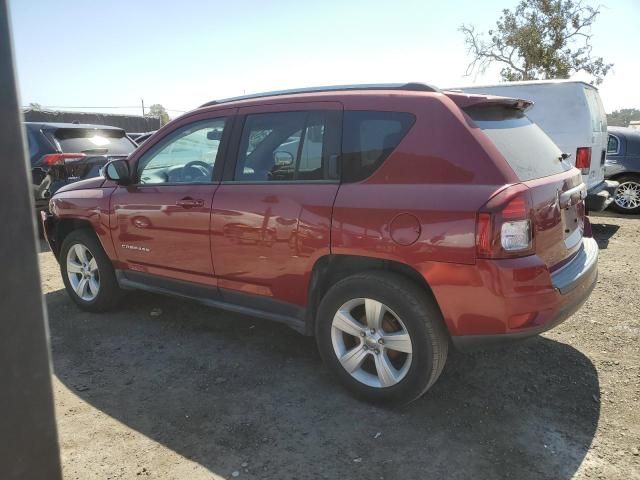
(529,151)
(368,139)
(94,141)
(596,111)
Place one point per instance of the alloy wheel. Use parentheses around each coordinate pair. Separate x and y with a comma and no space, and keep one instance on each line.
(627,195)
(82,272)
(371,342)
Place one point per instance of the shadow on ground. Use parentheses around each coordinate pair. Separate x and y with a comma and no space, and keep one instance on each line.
(602,232)
(221,389)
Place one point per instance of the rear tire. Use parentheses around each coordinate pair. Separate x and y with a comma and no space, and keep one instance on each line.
(382,336)
(87,272)
(626,198)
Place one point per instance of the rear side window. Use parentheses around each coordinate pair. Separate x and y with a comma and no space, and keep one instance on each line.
(529,151)
(368,138)
(613,144)
(94,141)
(287,146)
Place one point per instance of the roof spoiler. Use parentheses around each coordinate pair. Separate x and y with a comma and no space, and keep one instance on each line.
(468,100)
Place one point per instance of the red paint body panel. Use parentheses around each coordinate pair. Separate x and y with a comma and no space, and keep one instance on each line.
(266,238)
(152,234)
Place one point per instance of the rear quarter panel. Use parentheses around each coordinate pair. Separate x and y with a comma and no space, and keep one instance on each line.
(420,206)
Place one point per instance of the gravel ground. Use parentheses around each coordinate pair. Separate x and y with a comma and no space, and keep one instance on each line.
(170,390)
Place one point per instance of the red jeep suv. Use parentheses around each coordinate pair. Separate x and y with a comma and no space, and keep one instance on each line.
(386,220)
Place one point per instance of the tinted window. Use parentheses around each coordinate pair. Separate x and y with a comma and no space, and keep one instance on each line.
(529,151)
(94,141)
(612,145)
(186,156)
(368,139)
(284,146)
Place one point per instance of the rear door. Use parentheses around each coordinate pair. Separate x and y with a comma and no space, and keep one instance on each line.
(598,144)
(556,188)
(272,212)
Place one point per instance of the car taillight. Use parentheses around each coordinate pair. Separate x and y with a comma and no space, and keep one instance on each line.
(59,158)
(504,226)
(583,159)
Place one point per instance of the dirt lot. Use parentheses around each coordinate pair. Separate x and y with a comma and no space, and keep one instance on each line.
(196,393)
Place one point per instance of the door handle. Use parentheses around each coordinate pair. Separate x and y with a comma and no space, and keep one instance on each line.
(189,202)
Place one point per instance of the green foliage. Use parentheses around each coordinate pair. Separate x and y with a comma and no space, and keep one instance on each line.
(157,110)
(621,118)
(540,39)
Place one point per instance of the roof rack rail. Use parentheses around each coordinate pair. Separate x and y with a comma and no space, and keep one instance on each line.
(411,86)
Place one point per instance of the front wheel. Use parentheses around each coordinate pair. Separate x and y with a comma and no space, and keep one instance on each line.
(382,336)
(626,198)
(87,272)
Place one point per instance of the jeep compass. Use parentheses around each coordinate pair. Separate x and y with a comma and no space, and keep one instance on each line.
(388,221)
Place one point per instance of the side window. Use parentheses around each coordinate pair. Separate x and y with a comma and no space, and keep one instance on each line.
(285,146)
(186,156)
(612,145)
(368,139)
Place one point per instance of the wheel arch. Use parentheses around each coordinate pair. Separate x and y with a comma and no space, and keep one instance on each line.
(332,268)
(63,227)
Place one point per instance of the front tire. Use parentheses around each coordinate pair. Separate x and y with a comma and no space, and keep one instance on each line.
(626,198)
(87,272)
(382,336)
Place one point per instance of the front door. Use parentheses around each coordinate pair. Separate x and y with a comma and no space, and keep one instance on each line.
(272,212)
(161,223)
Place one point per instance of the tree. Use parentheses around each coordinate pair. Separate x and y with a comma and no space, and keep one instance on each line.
(35,106)
(157,110)
(622,118)
(540,39)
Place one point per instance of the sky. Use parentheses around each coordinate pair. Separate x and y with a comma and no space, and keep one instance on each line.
(92,53)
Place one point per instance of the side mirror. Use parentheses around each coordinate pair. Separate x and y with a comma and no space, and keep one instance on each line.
(283,158)
(118,171)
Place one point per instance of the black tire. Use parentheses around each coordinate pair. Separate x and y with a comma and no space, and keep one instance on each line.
(634,179)
(109,293)
(421,317)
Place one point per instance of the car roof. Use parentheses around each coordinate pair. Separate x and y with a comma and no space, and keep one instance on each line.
(626,132)
(55,125)
(308,92)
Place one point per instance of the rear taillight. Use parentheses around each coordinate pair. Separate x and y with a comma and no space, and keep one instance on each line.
(59,158)
(583,159)
(504,225)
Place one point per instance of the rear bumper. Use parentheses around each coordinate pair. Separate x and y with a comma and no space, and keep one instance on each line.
(520,298)
(600,196)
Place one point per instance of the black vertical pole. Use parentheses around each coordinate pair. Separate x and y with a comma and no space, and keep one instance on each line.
(28,439)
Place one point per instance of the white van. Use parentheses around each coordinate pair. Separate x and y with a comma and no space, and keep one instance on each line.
(571,113)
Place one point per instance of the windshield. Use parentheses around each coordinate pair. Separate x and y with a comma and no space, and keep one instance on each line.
(94,141)
(527,149)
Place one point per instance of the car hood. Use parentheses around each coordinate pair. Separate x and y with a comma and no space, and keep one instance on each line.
(95,182)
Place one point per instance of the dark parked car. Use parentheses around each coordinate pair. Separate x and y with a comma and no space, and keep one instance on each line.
(385,220)
(62,153)
(623,165)
(143,137)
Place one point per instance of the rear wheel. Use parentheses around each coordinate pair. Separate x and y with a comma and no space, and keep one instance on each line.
(382,336)
(87,272)
(626,198)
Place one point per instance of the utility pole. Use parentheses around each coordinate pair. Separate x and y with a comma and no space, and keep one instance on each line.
(28,438)
(142,100)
